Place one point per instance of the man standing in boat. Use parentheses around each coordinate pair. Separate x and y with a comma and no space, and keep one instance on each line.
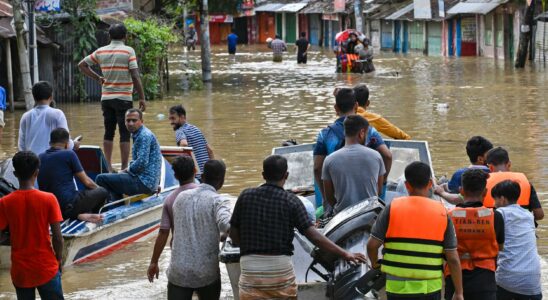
(263,226)
(184,170)
(30,214)
(118,64)
(355,172)
(381,124)
(143,174)
(417,234)
(331,139)
(188,135)
(200,217)
(58,167)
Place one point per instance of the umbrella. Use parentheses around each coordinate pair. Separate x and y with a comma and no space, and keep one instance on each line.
(343,35)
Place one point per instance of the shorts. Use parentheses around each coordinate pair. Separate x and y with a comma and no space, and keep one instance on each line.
(2,123)
(114,112)
(277,58)
(231,50)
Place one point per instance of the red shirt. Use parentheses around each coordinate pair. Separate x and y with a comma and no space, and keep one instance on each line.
(29,214)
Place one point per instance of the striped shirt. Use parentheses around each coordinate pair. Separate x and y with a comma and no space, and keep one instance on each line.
(115,61)
(196,140)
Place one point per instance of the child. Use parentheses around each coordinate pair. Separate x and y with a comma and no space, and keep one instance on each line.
(29,214)
(518,270)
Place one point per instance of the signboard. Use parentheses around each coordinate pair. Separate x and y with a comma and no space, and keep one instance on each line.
(221,18)
(48,5)
(340,5)
(441,8)
(330,17)
(422,10)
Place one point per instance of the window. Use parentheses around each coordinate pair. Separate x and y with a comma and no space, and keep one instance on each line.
(488,30)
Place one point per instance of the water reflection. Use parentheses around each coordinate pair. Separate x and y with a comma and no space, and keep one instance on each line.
(255,104)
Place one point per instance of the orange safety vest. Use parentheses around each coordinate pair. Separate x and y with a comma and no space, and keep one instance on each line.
(477,240)
(497,177)
(414,240)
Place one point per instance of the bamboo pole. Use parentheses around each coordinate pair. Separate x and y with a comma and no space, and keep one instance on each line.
(10,74)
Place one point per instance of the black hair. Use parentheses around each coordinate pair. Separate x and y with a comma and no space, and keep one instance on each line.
(214,172)
(178,109)
(274,168)
(477,146)
(362,94)
(59,135)
(277,36)
(353,124)
(233,30)
(508,189)
(183,167)
(345,100)
(303,34)
(42,90)
(117,31)
(135,110)
(497,156)
(474,181)
(418,174)
(25,163)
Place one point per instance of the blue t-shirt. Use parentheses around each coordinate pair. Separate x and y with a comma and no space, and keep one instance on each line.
(57,169)
(456,180)
(331,138)
(2,98)
(232,40)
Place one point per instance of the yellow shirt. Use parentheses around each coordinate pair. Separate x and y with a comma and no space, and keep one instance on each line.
(382,125)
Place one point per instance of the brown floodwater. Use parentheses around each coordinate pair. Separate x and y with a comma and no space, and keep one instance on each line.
(255,104)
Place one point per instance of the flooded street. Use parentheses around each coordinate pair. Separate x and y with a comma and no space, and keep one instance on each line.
(255,104)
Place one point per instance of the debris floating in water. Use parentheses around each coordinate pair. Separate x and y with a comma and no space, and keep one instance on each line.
(442,107)
(160,117)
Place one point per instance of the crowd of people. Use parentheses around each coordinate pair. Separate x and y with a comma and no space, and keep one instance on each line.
(474,250)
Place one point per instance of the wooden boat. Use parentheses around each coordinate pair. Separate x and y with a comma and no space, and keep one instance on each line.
(319,275)
(126,221)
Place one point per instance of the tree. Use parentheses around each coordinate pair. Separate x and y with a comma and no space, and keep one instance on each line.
(22,51)
(525,35)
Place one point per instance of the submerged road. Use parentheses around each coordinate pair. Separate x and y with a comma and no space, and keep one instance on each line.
(255,104)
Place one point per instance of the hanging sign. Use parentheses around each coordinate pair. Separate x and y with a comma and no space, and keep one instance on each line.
(221,18)
(330,17)
(48,5)
(340,5)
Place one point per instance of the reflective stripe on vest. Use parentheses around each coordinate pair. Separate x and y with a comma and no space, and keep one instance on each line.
(497,177)
(477,240)
(414,239)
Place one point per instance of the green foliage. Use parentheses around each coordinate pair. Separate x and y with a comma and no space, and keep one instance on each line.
(150,39)
(82,20)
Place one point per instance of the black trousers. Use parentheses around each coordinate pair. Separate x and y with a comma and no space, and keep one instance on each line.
(87,201)
(433,296)
(503,294)
(301,59)
(208,292)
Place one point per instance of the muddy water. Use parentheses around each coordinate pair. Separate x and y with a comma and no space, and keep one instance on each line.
(254,105)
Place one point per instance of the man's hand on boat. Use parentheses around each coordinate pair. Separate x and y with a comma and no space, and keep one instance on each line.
(92,218)
(153,271)
(355,258)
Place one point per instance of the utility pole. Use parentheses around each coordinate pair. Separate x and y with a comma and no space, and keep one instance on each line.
(22,52)
(525,34)
(205,48)
(33,49)
(358,14)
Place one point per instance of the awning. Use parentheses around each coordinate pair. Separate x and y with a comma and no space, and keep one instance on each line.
(473,8)
(398,14)
(270,7)
(5,9)
(6,30)
(292,7)
(315,8)
(371,8)
(542,17)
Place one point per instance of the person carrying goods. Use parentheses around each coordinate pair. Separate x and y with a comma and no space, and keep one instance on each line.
(417,234)
(190,38)
(499,163)
(480,235)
